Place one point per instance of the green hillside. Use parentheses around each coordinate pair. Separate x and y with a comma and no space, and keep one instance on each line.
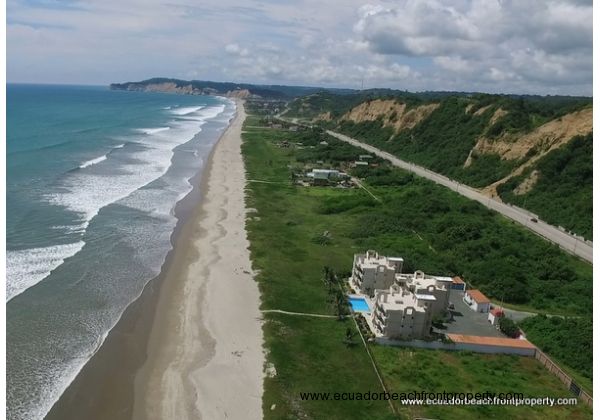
(479,140)
(562,194)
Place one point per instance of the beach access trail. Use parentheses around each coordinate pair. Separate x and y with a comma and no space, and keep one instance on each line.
(205,353)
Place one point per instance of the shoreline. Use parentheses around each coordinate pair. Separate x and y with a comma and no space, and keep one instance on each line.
(104,388)
(205,347)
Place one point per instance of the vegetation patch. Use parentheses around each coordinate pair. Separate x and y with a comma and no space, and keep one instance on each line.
(408,370)
(569,340)
(434,230)
(562,194)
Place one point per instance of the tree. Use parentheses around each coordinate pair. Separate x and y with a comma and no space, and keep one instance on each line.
(349,339)
(341,305)
(508,327)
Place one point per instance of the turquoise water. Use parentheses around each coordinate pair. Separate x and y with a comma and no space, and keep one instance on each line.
(359,304)
(93,177)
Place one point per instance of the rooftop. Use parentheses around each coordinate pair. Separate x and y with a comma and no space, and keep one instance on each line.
(398,301)
(372,258)
(325,171)
(457,280)
(491,341)
(477,296)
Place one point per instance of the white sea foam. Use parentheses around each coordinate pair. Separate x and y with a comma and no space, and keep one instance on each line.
(152,130)
(25,268)
(93,161)
(186,110)
(87,193)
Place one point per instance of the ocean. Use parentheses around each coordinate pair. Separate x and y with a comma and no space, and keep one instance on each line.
(93,177)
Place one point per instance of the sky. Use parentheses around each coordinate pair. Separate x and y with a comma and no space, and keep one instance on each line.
(498,46)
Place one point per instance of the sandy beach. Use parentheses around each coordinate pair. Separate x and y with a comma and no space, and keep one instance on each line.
(204,356)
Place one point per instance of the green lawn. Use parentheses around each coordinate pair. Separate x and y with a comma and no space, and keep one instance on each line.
(309,354)
(407,370)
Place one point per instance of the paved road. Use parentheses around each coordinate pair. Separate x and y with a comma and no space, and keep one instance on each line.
(553,234)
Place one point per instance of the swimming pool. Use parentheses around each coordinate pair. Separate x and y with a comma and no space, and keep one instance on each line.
(359,304)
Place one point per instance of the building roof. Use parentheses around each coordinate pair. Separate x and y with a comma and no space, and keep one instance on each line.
(325,171)
(497,312)
(443,278)
(457,280)
(421,296)
(477,296)
(397,301)
(491,341)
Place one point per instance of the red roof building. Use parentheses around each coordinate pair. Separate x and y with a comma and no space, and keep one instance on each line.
(477,296)
(477,301)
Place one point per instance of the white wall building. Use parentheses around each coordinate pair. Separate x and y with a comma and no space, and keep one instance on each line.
(494,315)
(404,304)
(326,174)
(477,301)
(371,271)
(400,314)
(421,283)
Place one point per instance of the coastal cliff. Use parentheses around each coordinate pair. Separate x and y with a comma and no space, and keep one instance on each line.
(182,89)
(229,89)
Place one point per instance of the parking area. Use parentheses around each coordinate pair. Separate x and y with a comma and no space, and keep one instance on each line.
(466,321)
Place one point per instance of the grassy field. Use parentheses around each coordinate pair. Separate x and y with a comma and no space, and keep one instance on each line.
(309,354)
(407,370)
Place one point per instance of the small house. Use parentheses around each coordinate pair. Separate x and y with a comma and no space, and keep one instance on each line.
(494,315)
(477,301)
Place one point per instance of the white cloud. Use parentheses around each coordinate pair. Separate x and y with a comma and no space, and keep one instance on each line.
(505,45)
(236,50)
(518,43)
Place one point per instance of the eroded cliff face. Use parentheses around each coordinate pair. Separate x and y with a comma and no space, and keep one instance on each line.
(238,93)
(524,149)
(533,146)
(546,137)
(391,113)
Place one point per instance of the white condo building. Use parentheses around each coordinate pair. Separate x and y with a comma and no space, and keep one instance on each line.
(400,314)
(421,283)
(404,304)
(371,271)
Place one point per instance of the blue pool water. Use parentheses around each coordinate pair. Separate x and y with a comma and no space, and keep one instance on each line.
(359,304)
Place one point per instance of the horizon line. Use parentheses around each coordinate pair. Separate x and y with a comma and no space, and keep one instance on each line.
(302,86)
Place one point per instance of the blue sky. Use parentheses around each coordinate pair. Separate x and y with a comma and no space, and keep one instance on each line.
(526,46)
